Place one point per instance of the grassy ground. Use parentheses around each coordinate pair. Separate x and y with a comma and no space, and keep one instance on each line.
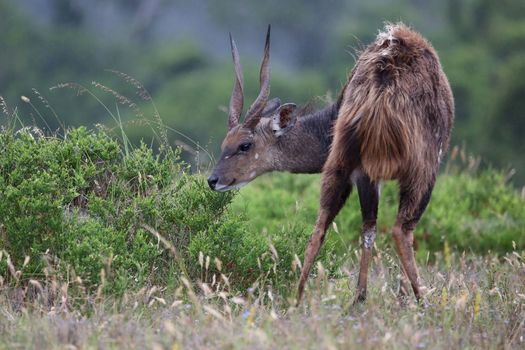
(471,302)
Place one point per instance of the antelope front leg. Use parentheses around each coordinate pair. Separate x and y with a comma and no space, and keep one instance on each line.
(369,200)
(368,235)
(335,188)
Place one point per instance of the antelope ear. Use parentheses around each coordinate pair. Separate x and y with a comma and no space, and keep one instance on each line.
(284,120)
(271,107)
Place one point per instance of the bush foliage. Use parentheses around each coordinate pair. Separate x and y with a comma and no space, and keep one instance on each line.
(83,204)
(472,211)
(89,207)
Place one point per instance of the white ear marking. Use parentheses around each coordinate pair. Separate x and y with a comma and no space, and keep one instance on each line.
(256,155)
(276,127)
(275,123)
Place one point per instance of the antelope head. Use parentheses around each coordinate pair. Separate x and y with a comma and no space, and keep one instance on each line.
(248,148)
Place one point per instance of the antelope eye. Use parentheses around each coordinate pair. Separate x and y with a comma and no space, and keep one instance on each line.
(244,147)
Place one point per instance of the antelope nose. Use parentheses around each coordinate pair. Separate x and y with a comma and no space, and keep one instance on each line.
(212,181)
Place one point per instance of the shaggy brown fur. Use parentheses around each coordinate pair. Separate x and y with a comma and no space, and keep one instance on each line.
(400,104)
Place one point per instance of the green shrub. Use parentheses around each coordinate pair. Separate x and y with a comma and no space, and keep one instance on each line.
(84,202)
(87,204)
(474,213)
(90,205)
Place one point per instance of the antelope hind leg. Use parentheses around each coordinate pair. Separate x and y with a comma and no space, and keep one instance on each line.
(335,189)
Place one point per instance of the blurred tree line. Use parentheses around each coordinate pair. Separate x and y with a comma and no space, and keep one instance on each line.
(179,51)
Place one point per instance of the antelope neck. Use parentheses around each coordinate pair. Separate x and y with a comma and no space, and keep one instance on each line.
(305,147)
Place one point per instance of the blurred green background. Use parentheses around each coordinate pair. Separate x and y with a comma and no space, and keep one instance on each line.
(179,50)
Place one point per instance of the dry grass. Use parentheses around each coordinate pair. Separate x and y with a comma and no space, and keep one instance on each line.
(472,302)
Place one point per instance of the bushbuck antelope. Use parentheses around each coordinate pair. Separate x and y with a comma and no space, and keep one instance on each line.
(392,121)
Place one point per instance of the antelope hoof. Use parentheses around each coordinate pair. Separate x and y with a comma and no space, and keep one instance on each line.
(360,298)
